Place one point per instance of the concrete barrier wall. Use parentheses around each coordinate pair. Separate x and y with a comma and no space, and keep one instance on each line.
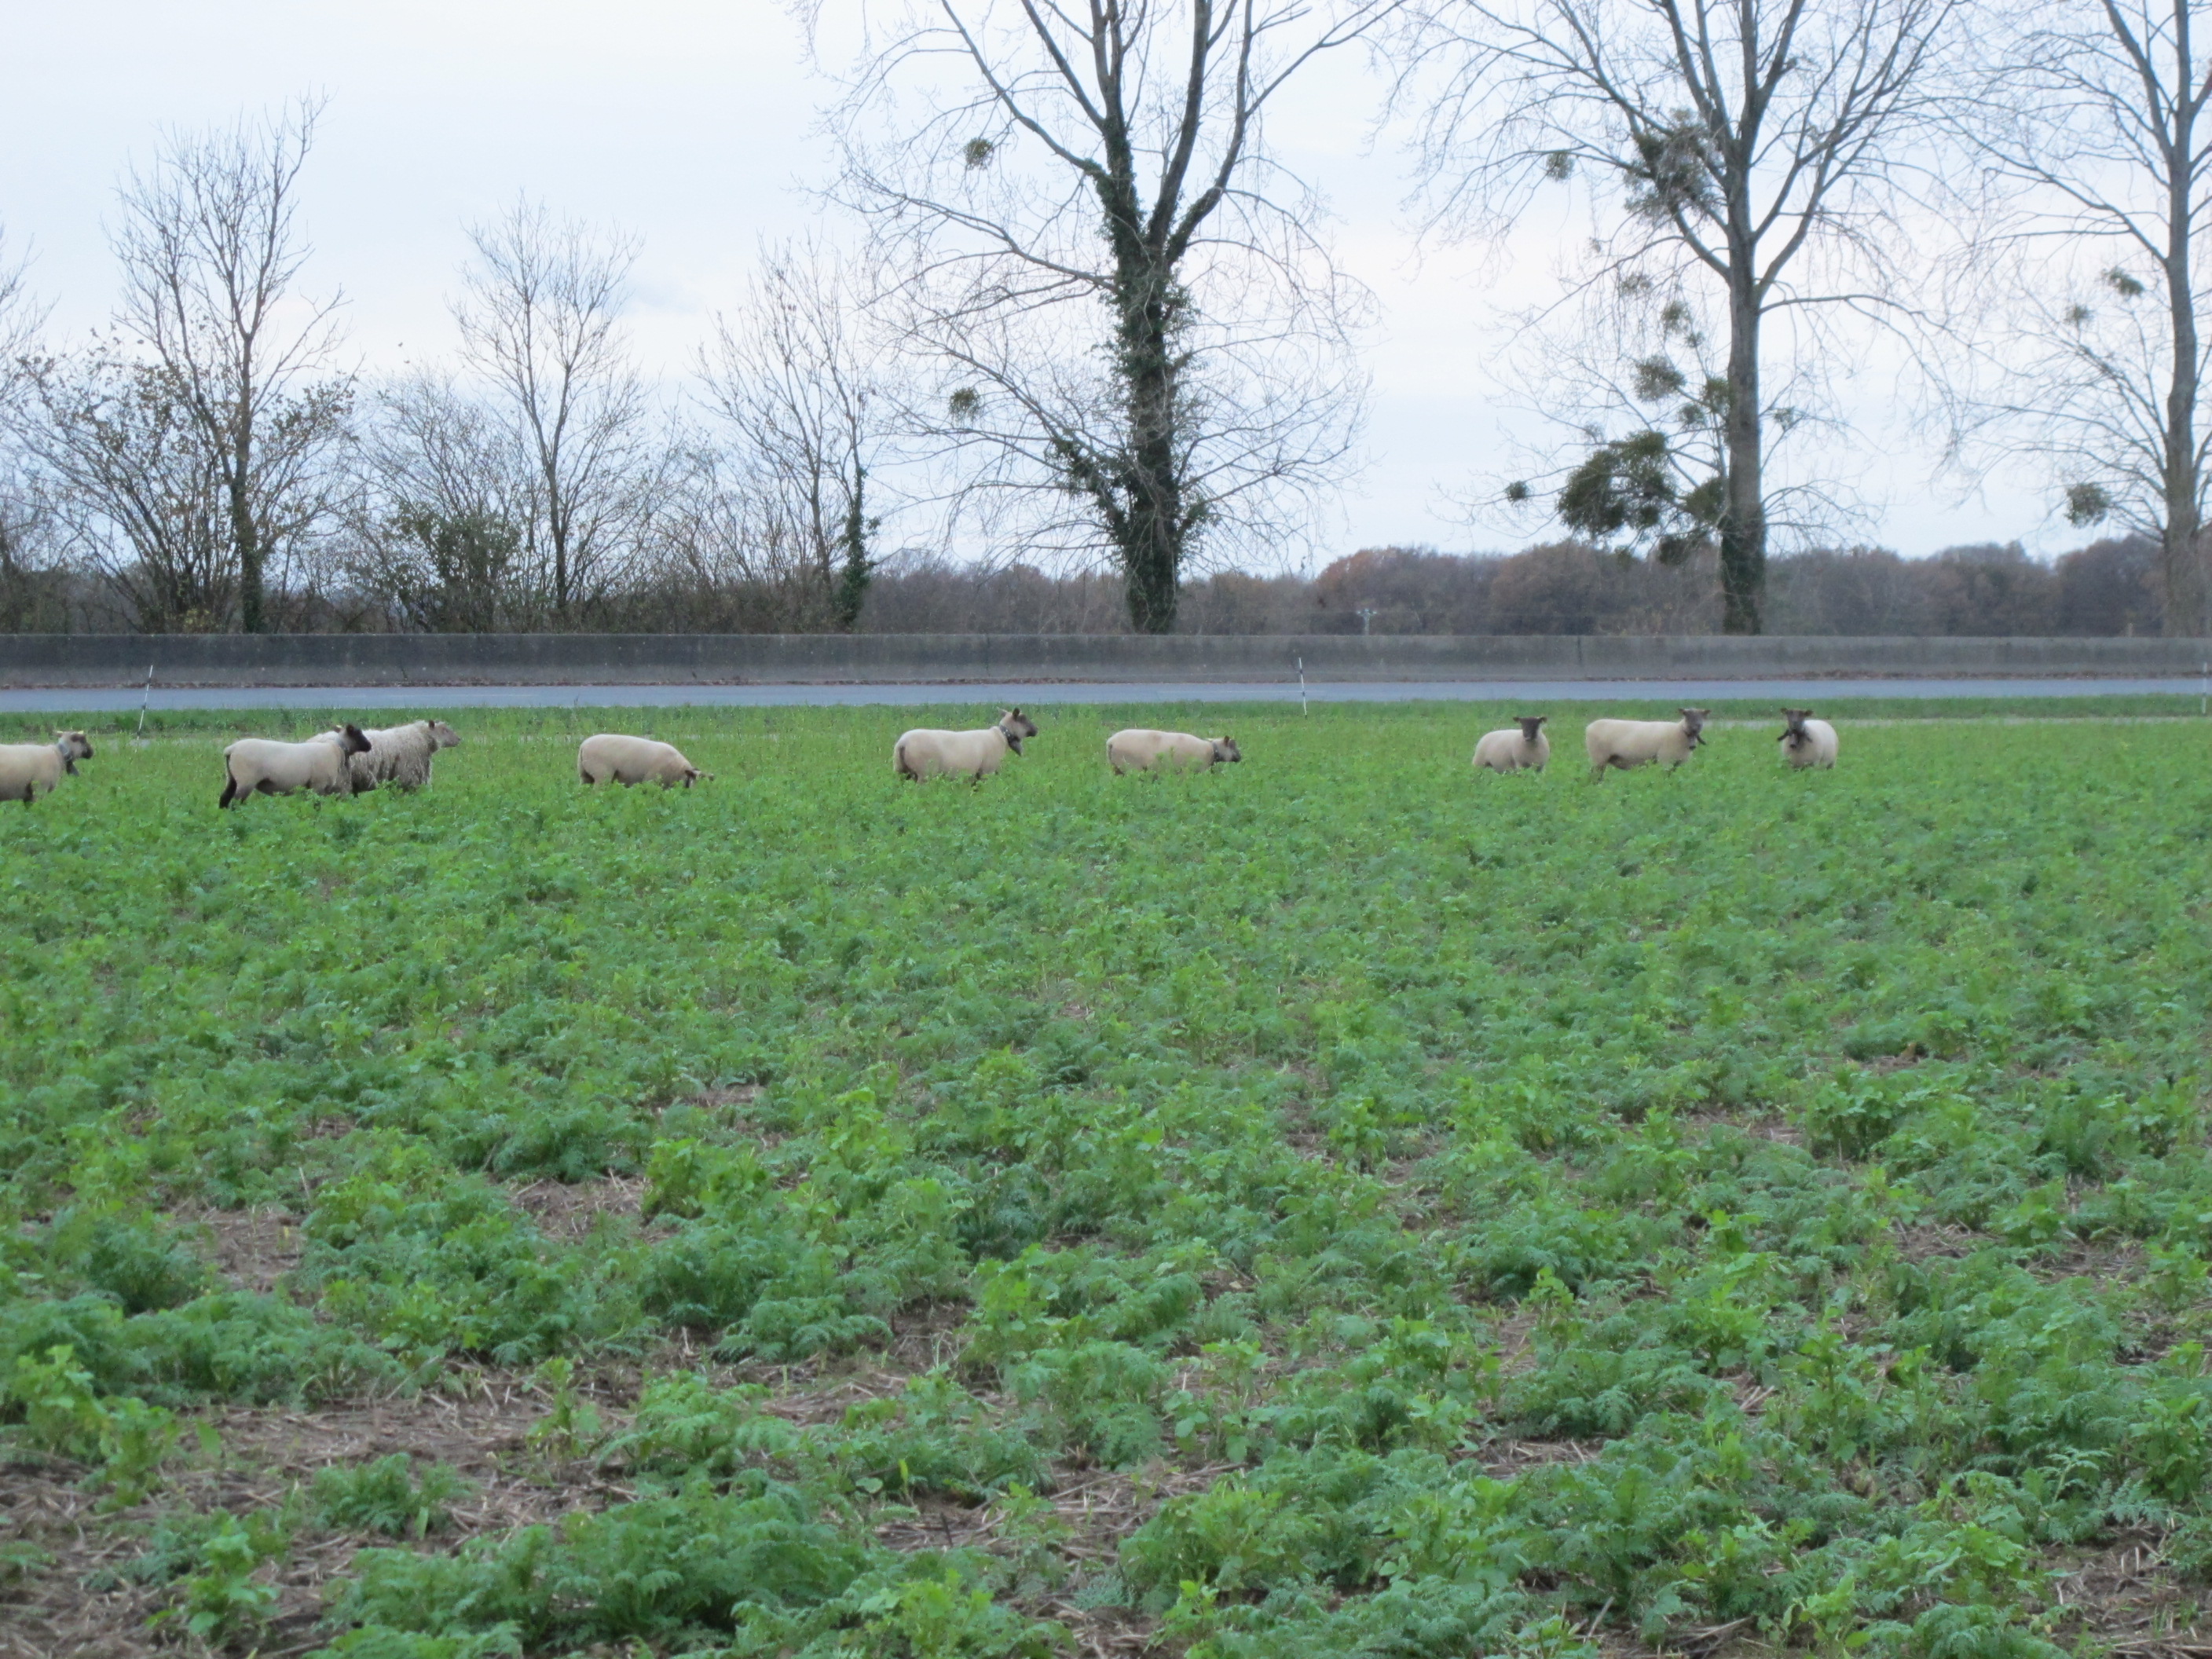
(432,659)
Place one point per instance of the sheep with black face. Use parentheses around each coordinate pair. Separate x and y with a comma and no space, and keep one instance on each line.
(1805,741)
(926,752)
(1627,744)
(28,771)
(263,766)
(1522,747)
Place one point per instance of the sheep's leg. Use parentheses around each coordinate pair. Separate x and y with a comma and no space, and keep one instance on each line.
(229,789)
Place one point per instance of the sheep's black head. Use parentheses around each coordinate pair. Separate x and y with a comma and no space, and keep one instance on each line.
(1793,725)
(1532,725)
(1693,723)
(75,746)
(1225,749)
(352,739)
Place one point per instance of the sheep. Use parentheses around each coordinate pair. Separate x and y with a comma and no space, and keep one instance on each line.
(1509,751)
(278,769)
(1624,744)
(1806,741)
(400,755)
(924,753)
(28,771)
(1140,750)
(606,757)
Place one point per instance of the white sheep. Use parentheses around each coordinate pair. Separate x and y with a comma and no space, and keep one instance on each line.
(1511,750)
(401,755)
(278,769)
(1140,749)
(926,753)
(1626,743)
(28,771)
(1806,741)
(606,757)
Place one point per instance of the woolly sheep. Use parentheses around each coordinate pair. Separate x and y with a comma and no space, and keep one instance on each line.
(606,757)
(1806,741)
(1140,750)
(1509,751)
(924,753)
(28,771)
(401,755)
(278,769)
(1626,744)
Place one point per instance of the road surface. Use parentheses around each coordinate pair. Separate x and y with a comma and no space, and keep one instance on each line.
(1534,693)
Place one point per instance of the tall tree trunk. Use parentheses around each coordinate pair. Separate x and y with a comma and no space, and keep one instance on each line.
(2181,551)
(246,536)
(1743,523)
(1152,523)
(556,527)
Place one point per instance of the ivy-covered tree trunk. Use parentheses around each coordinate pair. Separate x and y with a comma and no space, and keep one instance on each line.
(1150,527)
(856,569)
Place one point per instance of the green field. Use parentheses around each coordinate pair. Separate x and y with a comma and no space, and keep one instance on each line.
(1338,1205)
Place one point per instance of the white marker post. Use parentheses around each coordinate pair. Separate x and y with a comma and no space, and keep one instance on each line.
(1303,710)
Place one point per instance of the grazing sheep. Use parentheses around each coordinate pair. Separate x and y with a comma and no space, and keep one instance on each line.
(278,769)
(1139,749)
(28,771)
(1806,741)
(1626,744)
(1508,750)
(606,757)
(401,755)
(975,755)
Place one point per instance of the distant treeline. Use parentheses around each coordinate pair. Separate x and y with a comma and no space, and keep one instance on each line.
(2108,588)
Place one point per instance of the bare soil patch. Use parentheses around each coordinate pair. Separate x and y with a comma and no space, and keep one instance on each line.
(253,1250)
(569,1213)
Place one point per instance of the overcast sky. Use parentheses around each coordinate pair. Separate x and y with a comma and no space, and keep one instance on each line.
(690,122)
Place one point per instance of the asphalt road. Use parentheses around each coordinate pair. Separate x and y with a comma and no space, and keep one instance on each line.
(1534,692)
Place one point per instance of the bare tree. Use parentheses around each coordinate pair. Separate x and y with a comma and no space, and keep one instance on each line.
(724,554)
(540,319)
(447,490)
(2090,118)
(1753,148)
(211,250)
(140,486)
(1139,341)
(800,386)
(26,519)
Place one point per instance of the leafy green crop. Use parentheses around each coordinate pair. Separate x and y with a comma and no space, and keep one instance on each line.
(1449,1213)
